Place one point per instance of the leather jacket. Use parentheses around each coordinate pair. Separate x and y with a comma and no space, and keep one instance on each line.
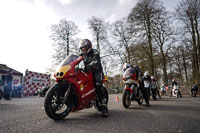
(92,61)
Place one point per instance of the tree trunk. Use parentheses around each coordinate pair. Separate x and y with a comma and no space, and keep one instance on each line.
(198,36)
(179,68)
(164,67)
(184,65)
(98,45)
(67,44)
(150,44)
(196,69)
(128,52)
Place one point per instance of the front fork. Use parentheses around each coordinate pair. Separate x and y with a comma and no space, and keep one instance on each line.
(67,94)
(133,91)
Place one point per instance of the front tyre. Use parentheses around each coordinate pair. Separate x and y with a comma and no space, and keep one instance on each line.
(194,93)
(54,106)
(125,99)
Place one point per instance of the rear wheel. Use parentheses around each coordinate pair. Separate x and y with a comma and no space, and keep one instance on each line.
(125,99)
(54,104)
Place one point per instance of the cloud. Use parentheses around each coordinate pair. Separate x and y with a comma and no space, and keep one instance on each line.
(65,2)
(25,34)
(123,2)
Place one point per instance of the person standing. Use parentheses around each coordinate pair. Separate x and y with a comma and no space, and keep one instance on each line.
(8,85)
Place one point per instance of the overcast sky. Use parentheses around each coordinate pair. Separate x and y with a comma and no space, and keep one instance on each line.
(25,26)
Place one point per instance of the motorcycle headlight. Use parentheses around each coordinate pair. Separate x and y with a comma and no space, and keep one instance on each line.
(61,71)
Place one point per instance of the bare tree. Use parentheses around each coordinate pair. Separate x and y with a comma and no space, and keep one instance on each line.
(163,35)
(122,33)
(188,12)
(62,35)
(98,28)
(143,15)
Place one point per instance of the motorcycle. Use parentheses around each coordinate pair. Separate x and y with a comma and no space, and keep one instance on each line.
(193,91)
(131,90)
(175,91)
(163,90)
(42,91)
(74,90)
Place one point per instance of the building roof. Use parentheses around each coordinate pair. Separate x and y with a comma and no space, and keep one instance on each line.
(4,69)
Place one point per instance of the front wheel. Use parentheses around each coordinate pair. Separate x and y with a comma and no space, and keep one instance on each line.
(54,104)
(125,99)
(194,93)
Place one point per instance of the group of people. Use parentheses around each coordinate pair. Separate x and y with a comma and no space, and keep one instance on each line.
(142,79)
(92,63)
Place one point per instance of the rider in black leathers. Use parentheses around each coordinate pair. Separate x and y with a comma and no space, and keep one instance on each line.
(92,63)
(146,91)
(194,87)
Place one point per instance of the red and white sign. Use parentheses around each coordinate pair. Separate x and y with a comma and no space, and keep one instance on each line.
(33,81)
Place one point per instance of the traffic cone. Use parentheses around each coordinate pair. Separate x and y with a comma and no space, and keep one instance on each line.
(117,98)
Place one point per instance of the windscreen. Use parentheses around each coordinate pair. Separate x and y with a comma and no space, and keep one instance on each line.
(68,59)
(128,73)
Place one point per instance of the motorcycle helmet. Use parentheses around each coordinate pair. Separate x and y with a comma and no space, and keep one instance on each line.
(146,73)
(85,46)
(125,66)
(153,78)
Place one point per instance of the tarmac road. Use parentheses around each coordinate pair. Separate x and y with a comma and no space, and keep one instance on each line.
(166,115)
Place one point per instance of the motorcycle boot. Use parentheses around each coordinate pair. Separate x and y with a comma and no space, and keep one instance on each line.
(102,98)
(104,109)
(148,105)
(146,97)
(147,101)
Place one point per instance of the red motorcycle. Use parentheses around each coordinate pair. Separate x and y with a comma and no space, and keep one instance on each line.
(131,90)
(74,90)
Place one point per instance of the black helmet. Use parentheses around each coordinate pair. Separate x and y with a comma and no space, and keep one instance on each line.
(85,46)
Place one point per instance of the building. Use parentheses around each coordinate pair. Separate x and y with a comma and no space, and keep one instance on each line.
(17,76)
